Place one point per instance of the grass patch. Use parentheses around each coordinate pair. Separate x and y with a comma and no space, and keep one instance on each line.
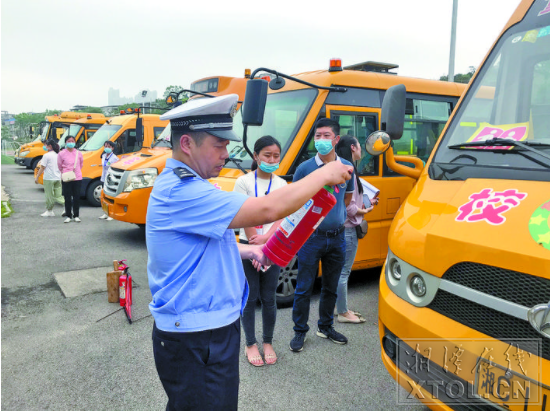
(6,209)
(7,160)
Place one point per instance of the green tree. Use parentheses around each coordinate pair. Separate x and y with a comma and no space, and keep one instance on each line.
(461,78)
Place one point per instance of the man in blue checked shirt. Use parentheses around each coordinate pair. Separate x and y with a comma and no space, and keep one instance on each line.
(194,267)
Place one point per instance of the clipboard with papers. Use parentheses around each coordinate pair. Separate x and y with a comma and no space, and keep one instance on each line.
(369,192)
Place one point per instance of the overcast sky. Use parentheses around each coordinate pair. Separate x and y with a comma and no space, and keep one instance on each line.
(60,53)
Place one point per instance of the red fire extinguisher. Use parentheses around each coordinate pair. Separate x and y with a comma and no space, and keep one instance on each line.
(125,289)
(295,229)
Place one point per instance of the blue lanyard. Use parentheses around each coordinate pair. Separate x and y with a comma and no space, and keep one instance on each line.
(256,183)
(106,159)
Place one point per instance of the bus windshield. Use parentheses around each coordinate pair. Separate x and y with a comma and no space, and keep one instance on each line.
(284,114)
(509,99)
(163,140)
(44,135)
(99,138)
(73,130)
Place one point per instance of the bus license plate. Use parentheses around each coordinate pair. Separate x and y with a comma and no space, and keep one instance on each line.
(508,389)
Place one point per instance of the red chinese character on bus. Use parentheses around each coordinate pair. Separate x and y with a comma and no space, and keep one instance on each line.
(489,206)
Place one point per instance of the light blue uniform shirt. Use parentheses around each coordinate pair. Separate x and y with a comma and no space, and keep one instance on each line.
(195,271)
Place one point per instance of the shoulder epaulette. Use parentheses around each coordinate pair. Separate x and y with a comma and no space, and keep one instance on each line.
(182,172)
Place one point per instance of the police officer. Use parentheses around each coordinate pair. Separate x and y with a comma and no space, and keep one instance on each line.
(195,272)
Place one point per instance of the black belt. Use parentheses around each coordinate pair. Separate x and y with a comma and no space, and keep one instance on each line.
(330,233)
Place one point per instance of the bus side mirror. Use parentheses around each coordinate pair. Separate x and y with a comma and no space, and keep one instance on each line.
(139,131)
(393,111)
(377,143)
(254,102)
(171,99)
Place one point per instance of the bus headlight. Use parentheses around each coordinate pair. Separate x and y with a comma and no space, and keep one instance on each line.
(395,269)
(410,283)
(140,179)
(418,286)
(25,153)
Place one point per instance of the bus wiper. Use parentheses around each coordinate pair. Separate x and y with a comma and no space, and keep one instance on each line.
(504,142)
(236,163)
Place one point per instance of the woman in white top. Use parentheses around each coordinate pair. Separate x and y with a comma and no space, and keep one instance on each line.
(52,177)
(107,159)
(259,182)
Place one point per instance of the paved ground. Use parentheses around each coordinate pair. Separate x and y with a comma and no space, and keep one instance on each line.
(58,355)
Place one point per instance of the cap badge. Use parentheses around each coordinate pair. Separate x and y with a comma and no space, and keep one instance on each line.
(233,110)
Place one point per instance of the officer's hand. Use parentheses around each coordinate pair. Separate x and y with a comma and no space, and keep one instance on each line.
(337,172)
(258,239)
(258,258)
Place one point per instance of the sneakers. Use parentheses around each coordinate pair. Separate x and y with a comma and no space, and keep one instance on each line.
(48,213)
(68,220)
(77,219)
(104,216)
(297,342)
(328,332)
(109,218)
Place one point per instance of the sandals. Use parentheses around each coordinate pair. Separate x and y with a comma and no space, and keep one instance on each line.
(344,319)
(254,360)
(271,357)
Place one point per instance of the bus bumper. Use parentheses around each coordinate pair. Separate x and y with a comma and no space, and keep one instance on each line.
(24,161)
(437,360)
(130,207)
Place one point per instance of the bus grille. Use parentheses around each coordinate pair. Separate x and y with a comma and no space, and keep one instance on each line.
(491,322)
(517,287)
(112,181)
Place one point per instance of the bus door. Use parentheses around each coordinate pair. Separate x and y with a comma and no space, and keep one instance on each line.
(360,122)
(127,143)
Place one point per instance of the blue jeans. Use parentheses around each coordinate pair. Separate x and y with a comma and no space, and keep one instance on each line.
(351,251)
(331,251)
(262,285)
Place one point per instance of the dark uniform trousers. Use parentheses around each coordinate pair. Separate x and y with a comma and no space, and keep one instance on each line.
(199,370)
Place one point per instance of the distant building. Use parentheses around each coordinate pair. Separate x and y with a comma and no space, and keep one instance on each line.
(114,98)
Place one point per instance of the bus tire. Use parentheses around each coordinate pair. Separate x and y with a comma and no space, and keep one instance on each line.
(286,284)
(34,163)
(93,193)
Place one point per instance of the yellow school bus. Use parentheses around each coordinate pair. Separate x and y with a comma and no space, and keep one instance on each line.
(130,133)
(81,130)
(128,184)
(53,128)
(352,96)
(464,311)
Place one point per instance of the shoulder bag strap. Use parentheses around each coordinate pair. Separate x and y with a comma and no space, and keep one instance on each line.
(75,159)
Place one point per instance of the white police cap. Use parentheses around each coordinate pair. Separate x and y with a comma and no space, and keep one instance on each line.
(213,115)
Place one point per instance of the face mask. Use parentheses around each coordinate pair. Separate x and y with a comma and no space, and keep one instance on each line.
(45,148)
(70,145)
(108,150)
(269,167)
(323,146)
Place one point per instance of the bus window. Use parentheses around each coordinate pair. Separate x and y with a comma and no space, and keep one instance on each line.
(359,126)
(424,122)
(540,98)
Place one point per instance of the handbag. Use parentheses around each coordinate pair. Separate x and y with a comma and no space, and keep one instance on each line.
(362,229)
(70,176)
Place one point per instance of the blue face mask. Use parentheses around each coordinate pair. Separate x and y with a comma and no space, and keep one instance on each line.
(323,146)
(45,148)
(108,150)
(269,167)
(70,145)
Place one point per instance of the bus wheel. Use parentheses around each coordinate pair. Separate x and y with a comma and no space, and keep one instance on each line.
(93,193)
(287,284)
(34,163)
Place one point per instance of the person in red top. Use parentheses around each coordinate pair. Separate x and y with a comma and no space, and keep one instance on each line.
(70,159)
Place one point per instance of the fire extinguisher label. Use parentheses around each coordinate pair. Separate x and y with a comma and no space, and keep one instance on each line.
(290,222)
(317,209)
(318,223)
(122,290)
